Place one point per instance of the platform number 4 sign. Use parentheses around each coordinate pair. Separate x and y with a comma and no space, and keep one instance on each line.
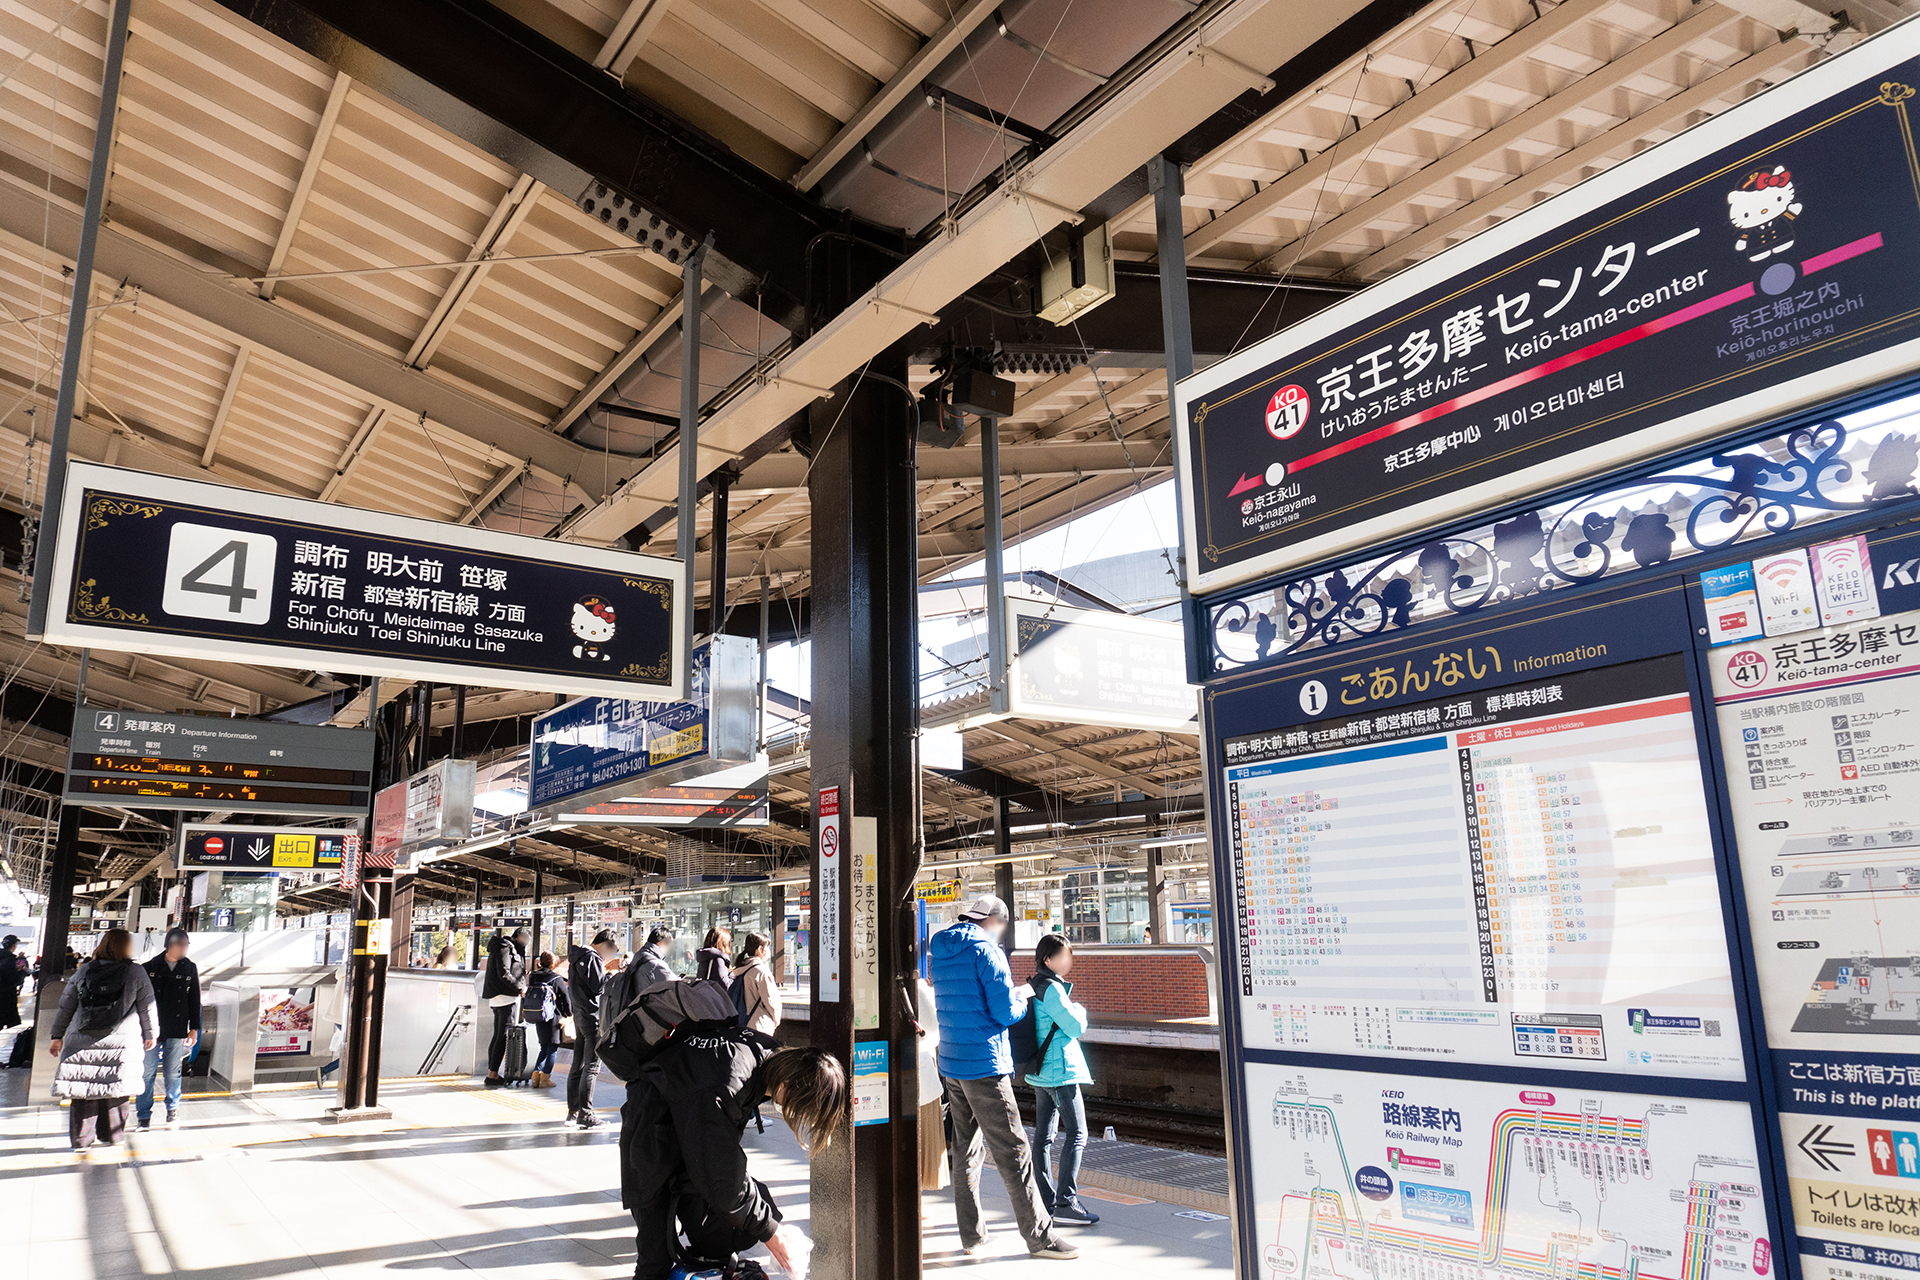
(222,574)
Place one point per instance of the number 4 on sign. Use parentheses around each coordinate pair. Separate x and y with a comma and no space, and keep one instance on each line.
(225,575)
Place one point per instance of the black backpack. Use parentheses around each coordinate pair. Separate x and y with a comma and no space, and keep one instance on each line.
(537,1004)
(98,1004)
(1029,1052)
(637,1022)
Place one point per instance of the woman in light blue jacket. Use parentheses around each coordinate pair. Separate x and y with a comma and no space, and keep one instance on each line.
(1059,1023)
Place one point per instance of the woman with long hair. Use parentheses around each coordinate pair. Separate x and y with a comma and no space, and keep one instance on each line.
(756,994)
(712,960)
(101,1034)
(683,1172)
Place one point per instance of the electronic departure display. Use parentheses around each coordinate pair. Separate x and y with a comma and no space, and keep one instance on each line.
(156,766)
(184,790)
(138,759)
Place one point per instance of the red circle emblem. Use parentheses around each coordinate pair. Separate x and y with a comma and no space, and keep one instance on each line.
(214,845)
(1287,411)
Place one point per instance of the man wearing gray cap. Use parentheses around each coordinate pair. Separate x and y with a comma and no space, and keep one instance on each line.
(973,989)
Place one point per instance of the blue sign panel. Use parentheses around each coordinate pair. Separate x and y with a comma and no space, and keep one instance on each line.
(595,743)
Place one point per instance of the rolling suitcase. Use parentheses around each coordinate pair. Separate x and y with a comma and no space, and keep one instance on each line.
(517,1066)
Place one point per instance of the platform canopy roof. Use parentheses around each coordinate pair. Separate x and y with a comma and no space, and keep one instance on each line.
(348,255)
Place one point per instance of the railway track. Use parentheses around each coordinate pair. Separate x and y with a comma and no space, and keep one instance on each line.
(1152,1125)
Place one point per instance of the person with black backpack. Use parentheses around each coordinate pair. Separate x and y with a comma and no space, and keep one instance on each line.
(105,1024)
(505,983)
(683,1171)
(544,1004)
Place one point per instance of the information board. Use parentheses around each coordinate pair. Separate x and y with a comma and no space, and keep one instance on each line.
(1820,738)
(1429,1178)
(597,750)
(1766,259)
(1085,666)
(146,760)
(154,564)
(1821,734)
(1523,875)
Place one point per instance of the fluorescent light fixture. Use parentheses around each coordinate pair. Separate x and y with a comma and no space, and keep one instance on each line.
(1172,843)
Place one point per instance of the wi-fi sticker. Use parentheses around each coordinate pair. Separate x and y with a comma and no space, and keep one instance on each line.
(1782,573)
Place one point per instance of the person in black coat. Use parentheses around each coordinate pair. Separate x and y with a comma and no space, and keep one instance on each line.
(682,1167)
(714,959)
(586,979)
(176,996)
(505,983)
(12,978)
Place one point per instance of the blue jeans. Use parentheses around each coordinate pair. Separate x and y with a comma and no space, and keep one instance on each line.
(172,1055)
(1060,1104)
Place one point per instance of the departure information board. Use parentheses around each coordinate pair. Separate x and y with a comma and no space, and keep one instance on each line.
(138,759)
(1521,875)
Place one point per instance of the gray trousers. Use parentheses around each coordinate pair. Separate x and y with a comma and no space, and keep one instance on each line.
(985,1117)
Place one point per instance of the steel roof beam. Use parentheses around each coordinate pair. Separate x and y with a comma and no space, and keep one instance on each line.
(213,303)
(472,69)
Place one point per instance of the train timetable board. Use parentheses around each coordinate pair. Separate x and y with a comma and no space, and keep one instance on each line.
(1520,875)
(1421,1178)
(145,760)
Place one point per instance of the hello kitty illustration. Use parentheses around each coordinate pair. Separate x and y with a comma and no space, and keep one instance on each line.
(593,623)
(1762,210)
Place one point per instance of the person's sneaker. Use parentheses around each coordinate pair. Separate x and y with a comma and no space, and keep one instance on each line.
(173,1118)
(1075,1216)
(588,1120)
(493,1082)
(571,1117)
(978,1246)
(1059,1250)
(143,1123)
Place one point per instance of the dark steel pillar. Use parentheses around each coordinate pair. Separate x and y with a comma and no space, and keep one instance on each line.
(1157,896)
(474,959)
(1003,869)
(721,481)
(78,325)
(459,721)
(539,897)
(64,867)
(1168,185)
(777,920)
(367,952)
(865,1187)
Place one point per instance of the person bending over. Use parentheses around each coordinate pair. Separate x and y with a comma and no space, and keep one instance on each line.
(681,1163)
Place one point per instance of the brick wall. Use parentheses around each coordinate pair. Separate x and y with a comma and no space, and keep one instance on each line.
(1142,987)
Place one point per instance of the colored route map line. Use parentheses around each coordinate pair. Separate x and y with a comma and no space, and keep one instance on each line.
(1599,1150)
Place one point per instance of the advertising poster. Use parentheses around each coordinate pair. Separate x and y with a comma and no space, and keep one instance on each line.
(1519,876)
(1417,1178)
(286,1022)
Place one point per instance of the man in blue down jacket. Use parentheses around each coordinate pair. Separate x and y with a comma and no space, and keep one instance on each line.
(974,992)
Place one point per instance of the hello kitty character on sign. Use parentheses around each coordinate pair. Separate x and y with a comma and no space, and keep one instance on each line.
(593,623)
(1762,210)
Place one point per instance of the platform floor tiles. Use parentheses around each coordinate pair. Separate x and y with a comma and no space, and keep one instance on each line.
(463,1181)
